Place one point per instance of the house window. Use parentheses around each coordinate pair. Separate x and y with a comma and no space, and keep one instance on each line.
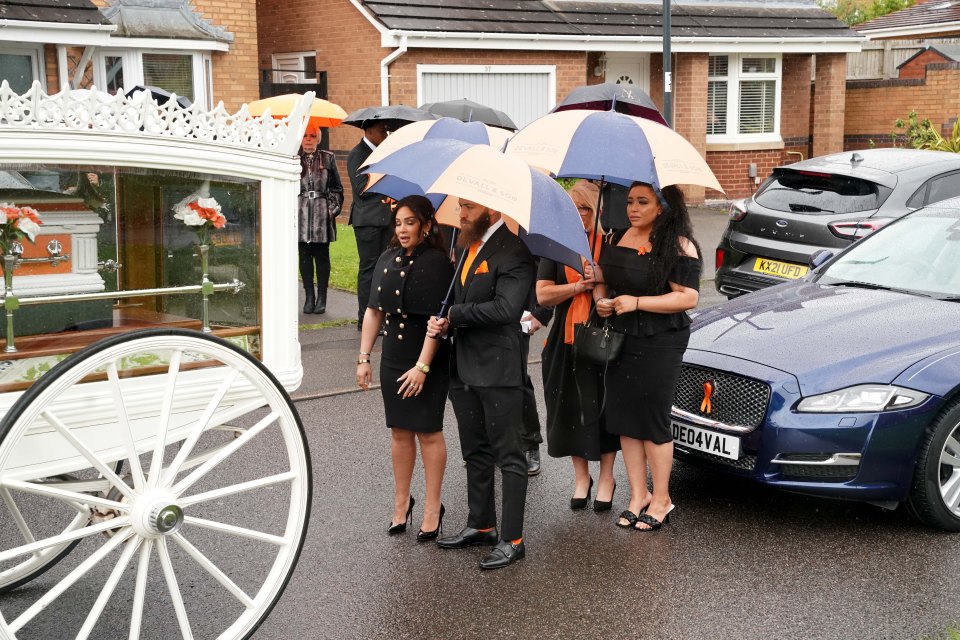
(743,97)
(172,72)
(296,68)
(186,74)
(20,67)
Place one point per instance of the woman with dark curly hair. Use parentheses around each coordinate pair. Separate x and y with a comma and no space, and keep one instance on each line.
(648,278)
(409,284)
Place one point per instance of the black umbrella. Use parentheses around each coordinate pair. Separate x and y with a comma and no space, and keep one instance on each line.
(470,111)
(160,96)
(396,115)
(623,98)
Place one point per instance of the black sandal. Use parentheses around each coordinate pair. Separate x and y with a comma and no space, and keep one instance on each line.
(652,522)
(631,519)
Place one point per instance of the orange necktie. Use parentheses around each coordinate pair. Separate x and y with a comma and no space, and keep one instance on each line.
(471,255)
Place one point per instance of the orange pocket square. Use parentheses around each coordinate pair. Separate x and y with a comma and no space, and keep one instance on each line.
(483,268)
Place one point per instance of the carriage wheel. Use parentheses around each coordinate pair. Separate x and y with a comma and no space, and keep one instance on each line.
(205,529)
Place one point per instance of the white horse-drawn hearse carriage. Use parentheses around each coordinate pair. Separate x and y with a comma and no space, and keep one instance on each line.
(154,475)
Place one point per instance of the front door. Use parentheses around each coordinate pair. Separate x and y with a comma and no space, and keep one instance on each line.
(629,68)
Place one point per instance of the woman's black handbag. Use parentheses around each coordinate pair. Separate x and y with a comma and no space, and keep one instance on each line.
(596,343)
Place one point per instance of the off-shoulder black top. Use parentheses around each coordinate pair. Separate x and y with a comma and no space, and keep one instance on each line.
(628,273)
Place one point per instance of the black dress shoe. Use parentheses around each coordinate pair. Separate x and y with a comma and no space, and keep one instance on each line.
(503,555)
(533,462)
(469,537)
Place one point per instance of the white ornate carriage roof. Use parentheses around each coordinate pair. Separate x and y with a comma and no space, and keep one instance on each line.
(97,112)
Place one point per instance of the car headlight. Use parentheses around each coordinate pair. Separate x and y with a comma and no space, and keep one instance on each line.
(862,398)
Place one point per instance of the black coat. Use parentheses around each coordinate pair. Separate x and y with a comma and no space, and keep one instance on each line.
(368,209)
(485,316)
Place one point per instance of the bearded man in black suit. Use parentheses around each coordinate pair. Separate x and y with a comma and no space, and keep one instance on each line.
(370,213)
(487,377)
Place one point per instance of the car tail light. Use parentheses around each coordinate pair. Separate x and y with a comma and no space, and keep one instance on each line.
(856,229)
(719,258)
(738,209)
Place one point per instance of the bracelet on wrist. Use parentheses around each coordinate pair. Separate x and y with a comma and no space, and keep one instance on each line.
(359,361)
(422,367)
(365,353)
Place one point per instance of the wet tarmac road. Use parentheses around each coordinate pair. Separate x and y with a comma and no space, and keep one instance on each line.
(736,561)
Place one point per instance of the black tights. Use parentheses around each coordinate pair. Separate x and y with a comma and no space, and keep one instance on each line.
(314,253)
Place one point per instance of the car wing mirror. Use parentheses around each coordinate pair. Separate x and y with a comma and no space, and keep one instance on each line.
(818,257)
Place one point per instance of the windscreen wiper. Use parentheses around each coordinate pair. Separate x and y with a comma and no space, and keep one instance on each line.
(862,285)
(878,287)
(807,208)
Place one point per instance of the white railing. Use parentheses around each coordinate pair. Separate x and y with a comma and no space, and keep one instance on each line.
(100,112)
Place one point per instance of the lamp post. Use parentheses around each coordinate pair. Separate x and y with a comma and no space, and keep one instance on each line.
(667,75)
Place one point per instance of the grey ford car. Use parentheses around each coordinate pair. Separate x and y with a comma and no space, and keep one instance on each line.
(827,202)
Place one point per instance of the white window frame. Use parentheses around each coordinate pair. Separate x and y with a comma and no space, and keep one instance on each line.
(280,60)
(37,60)
(481,69)
(133,70)
(734,77)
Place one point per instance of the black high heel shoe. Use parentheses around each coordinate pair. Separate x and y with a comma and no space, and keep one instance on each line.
(605,505)
(581,503)
(426,536)
(400,528)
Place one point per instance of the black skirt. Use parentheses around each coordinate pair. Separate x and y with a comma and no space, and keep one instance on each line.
(641,384)
(422,413)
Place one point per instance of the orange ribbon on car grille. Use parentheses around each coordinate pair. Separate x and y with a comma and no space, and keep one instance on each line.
(705,406)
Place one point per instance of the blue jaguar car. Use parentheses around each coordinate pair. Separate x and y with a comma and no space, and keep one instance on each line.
(843,384)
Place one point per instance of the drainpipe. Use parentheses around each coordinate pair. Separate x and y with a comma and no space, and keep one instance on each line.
(385,71)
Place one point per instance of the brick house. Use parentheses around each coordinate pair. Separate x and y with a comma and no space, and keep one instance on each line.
(742,69)
(205,50)
(928,82)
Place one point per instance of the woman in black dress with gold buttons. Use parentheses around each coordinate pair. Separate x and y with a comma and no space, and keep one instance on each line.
(648,278)
(409,283)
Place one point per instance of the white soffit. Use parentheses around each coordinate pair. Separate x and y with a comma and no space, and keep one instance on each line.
(527,42)
(95,35)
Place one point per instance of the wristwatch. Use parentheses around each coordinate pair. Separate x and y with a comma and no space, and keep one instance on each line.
(423,368)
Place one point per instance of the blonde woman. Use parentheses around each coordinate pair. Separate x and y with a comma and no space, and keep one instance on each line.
(574,391)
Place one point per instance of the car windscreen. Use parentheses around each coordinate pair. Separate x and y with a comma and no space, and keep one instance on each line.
(815,192)
(919,253)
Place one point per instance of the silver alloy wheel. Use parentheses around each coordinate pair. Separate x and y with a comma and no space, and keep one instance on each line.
(183,505)
(950,471)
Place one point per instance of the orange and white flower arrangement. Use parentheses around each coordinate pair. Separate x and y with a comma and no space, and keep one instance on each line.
(17,223)
(201,213)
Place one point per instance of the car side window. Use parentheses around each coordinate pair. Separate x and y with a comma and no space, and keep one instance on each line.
(940,188)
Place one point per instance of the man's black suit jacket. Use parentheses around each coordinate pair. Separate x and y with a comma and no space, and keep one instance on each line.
(368,209)
(485,316)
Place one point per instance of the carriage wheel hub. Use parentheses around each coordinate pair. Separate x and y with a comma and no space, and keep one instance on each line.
(157,515)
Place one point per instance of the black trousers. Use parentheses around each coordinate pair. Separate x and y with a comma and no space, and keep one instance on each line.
(488,419)
(371,242)
(314,262)
(530,436)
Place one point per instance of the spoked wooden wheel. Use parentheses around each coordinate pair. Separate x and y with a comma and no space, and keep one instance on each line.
(201,533)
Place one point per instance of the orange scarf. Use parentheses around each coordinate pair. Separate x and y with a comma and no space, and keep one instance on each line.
(579,309)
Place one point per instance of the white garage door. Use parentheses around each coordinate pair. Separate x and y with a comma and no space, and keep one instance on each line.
(523,92)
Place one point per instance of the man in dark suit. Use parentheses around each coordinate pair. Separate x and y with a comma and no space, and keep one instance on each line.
(487,377)
(370,213)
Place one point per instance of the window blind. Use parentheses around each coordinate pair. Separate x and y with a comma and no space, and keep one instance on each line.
(173,73)
(716,107)
(757,105)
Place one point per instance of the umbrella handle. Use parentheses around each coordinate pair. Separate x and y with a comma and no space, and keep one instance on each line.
(448,299)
